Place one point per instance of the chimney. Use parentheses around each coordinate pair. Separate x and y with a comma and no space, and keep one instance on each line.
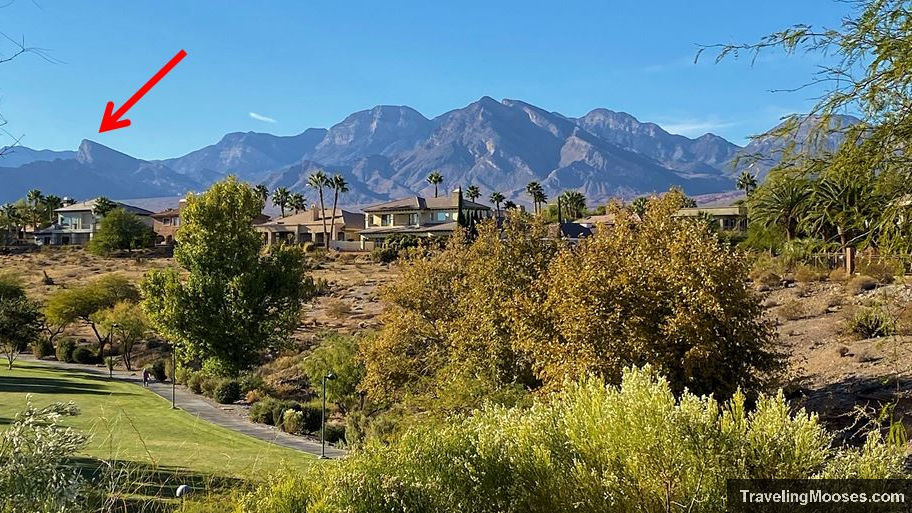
(457,195)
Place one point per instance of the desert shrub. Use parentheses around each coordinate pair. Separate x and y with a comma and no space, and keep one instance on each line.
(633,448)
(261,412)
(42,347)
(872,322)
(311,416)
(183,375)
(84,355)
(793,310)
(838,275)
(808,273)
(337,308)
(356,425)
(859,284)
(335,432)
(336,353)
(384,255)
(292,422)
(254,396)
(227,391)
(279,408)
(882,270)
(195,382)
(65,350)
(36,471)
(158,370)
(250,381)
(765,265)
(210,384)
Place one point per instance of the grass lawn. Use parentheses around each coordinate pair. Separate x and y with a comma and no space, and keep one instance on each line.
(127,422)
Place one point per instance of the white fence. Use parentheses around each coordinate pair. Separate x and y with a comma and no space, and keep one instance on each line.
(352,245)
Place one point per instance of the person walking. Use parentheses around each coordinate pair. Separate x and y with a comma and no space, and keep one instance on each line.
(146,378)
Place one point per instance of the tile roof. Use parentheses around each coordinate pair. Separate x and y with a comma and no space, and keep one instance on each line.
(90,205)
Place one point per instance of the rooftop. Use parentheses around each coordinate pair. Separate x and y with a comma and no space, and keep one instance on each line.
(449,201)
(88,206)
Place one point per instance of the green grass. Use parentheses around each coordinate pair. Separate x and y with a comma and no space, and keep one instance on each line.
(127,422)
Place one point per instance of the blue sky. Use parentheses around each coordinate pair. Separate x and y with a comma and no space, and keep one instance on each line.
(284,66)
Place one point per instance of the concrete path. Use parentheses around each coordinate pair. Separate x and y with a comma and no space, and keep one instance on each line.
(203,409)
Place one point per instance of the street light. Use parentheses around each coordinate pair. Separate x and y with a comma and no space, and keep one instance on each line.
(329,375)
(111,361)
(173,375)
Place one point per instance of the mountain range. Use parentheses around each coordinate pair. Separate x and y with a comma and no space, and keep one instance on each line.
(387,152)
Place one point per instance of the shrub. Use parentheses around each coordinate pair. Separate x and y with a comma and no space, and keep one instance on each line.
(882,270)
(227,391)
(334,432)
(158,370)
(384,255)
(809,273)
(183,375)
(311,416)
(65,350)
(195,382)
(292,422)
(271,411)
(859,284)
(838,275)
(250,382)
(872,322)
(337,308)
(279,408)
(84,355)
(254,396)
(633,448)
(355,428)
(42,347)
(767,279)
(261,412)
(793,310)
(209,384)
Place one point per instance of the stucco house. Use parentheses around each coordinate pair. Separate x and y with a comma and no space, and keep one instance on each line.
(732,218)
(77,223)
(307,226)
(419,216)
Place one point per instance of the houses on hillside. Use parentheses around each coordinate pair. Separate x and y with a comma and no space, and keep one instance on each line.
(413,215)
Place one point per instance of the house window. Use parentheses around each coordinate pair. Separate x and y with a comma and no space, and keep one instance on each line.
(386,220)
(175,221)
(413,219)
(166,221)
(441,216)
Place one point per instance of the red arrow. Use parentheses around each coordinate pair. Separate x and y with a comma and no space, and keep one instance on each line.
(111,118)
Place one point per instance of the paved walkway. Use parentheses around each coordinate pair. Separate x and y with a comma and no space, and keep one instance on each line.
(205,410)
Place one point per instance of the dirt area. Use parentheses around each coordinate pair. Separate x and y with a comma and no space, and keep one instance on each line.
(844,378)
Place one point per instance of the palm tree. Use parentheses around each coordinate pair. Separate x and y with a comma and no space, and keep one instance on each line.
(497,198)
(435,179)
(262,191)
(281,198)
(318,180)
(52,203)
(340,186)
(34,198)
(472,192)
(573,203)
(747,183)
(781,201)
(537,193)
(11,219)
(638,206)
(102,206)
(297,201)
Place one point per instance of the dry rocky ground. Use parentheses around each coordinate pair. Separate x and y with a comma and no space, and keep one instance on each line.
(831,371)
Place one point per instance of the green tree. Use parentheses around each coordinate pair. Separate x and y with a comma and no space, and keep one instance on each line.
(121,230)
(263,192)
(435,179)
(10,218)
(20,319)
(638,206)
(747,183)
(126,324)
(297,202)
(662,292)
(472,192)
(231,298)
(339,186)
(781,201)
(535,192)
(573,204)
(34,199)
(319,180)
(103,206)
(281,198)
(496,198)
(81,303)
(337,354)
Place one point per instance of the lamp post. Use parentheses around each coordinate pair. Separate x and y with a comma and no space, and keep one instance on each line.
(111,362)
(329,375)
(173,376)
